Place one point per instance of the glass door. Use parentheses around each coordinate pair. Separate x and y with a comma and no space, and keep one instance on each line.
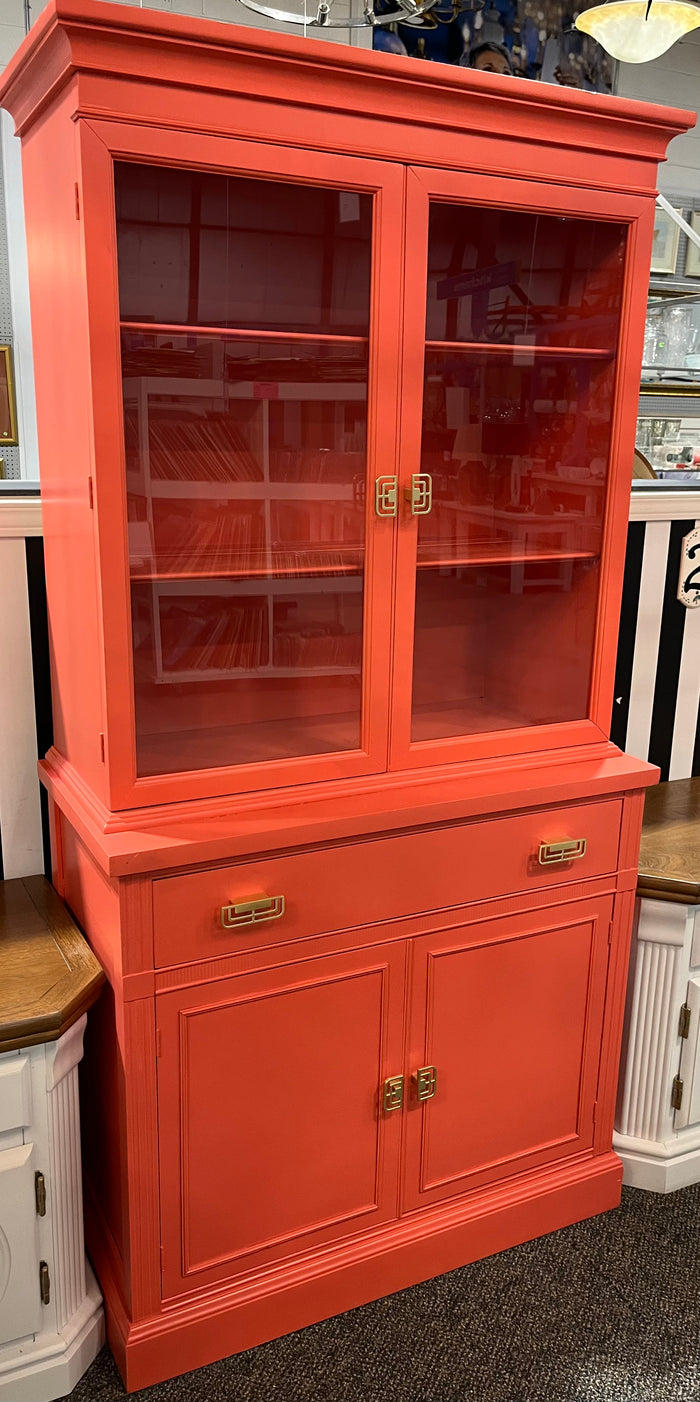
(505,468)
(252,424)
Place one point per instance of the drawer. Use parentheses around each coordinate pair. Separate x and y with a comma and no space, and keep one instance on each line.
(15,1092)
(198,915)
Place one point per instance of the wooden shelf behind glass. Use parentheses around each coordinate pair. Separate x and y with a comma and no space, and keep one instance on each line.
(523,348)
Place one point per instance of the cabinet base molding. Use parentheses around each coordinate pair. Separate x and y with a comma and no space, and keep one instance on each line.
(200,1330)
(655,1169)
(57,1362)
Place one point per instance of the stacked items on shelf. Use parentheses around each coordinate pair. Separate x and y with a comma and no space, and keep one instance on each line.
(199,635)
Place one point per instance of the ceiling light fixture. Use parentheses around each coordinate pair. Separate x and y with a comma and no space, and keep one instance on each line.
(407,11)
(636,31)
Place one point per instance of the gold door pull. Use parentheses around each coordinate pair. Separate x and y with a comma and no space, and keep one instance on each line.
(386,496)
(568,851)
(420,494)
(252,912)
(392,1097)
(425,1081)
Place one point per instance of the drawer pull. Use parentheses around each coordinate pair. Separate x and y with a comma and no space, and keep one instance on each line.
(252,912)
(425,1080)
(569,851)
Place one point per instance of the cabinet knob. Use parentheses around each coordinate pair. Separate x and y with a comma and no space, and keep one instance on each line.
(568,851)
(252,912)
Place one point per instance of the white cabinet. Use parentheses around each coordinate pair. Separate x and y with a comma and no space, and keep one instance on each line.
(51,1318)
(658,1115)
(658,1111)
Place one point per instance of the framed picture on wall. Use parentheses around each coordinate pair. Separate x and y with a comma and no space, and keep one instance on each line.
(8,407)
(664,250)
(692,257)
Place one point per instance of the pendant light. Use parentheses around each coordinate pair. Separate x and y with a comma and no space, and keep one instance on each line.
(636,31)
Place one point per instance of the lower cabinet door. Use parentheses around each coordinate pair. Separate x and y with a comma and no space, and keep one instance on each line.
(273,1134)
(506,1026)
(20,1295)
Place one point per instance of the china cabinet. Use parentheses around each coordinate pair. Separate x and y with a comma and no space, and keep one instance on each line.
(337,363)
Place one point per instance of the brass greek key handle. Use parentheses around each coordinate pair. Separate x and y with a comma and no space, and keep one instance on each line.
(252,912)
(386,496)
(392,1094)
(425,1081)
(420,494)
(568,851)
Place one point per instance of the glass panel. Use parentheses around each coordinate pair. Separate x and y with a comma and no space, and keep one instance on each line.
(246,464)
(516,445)
(503,275)
(501,646)
(516,442)
(216,250)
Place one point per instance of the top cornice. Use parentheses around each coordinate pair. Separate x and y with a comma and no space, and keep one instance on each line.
(90,37)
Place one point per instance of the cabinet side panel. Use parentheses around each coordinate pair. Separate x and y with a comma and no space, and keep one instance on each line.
(104,1143)
(94,901)
(614,1016)
(63,379)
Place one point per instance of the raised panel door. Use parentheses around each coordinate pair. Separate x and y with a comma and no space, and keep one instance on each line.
(509,1014)
(273,1137)
(20,1299)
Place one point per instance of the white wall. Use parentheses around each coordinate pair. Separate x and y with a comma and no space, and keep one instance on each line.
(12,18)
(674,81)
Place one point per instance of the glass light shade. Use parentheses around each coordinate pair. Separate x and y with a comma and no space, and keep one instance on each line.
(625,31)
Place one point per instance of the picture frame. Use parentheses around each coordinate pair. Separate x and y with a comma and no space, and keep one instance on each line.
(692,257)
(664,250)
(8,403)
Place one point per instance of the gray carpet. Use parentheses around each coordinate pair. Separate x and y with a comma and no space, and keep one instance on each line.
(607,1311)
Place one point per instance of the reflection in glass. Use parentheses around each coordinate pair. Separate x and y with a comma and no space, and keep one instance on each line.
(509,276)
(522,325)
(204,249)
(502,646)
(245,419)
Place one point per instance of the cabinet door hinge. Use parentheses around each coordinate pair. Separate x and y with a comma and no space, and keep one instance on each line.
(595,1111)
(611,927)
(91,495)
(102,747)
(77,201)
(684,1021)
(44,1283)
(159,1043)
(40,1194)
(677,1093)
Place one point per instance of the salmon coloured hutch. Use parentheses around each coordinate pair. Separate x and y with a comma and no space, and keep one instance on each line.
(337,359)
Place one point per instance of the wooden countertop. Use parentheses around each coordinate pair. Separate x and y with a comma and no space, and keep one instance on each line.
(669,857)
(49,975)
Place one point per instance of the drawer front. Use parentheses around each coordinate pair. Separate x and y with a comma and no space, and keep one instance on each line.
(204,914)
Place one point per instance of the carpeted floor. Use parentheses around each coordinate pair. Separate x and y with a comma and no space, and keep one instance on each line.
(607,1311)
